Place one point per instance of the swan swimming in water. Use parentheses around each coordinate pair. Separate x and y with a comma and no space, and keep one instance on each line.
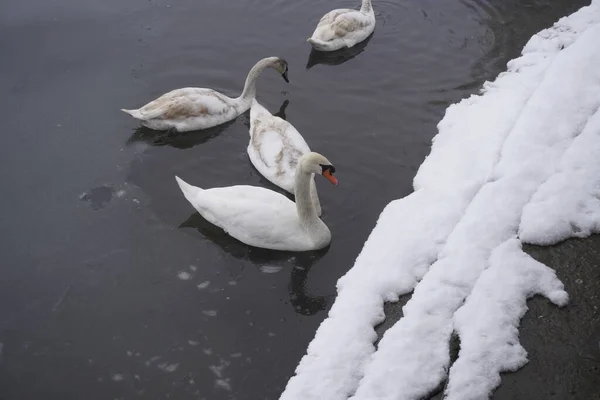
(274,149)
(343,28)
(263,218)
(191,109)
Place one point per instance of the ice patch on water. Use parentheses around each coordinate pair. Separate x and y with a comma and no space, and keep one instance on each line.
(210,313)
(184,275)
(152,360)
(270,269)
(117,377)
(193,268)
(193,343)
(203,285)
(224,384)
(168,367)
(218,369)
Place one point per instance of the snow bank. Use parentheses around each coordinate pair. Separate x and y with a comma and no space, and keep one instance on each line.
(488,322)
(344,341)
(491,155)
(568,204)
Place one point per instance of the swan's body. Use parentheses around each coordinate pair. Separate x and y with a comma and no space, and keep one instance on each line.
(343,28)
(274,149)
(263,218)
(190,109)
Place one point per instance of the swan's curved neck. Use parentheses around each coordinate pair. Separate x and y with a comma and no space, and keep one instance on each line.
(366,6)
(304,202)
(250,86)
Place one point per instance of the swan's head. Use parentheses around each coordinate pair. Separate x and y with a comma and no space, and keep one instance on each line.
(315,163)
(281,66)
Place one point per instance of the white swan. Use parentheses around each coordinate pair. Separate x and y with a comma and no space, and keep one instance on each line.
(343,28)
(274,149)
(190,109)
(263,218)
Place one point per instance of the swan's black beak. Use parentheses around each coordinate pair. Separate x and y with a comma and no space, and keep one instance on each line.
(285,77)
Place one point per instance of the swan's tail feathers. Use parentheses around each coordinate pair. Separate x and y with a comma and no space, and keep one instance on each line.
(188,190)
(317,44)
(134,113)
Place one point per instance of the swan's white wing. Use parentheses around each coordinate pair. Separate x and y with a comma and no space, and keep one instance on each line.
(352,26)
(275,147)
(332,15)
(253,215)
(187,103)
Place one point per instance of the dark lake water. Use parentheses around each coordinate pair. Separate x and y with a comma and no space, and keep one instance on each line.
(111,286)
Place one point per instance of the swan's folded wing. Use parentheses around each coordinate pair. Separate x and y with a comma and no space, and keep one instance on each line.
(333,15)
(186,103)
(275,148)
(341,24)
(253,215)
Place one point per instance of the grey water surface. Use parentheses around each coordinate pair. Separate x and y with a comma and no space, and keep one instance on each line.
(111,286)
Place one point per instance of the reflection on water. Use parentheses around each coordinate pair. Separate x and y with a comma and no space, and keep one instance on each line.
(336,57)
(281,112)
(300,263)
(178,140)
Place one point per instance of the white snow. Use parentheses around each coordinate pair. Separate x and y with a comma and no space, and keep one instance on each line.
(568,204)
(523,148)
(488,322)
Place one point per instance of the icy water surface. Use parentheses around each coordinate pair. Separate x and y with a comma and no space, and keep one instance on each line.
(112,287)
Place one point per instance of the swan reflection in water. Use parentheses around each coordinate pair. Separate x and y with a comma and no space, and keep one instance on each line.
(336,57)
(178,140)
(301,262)
(280,113)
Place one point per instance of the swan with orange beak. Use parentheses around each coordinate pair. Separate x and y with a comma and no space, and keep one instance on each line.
(264,218)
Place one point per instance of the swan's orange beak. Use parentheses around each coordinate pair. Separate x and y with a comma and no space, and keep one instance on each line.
(327,174)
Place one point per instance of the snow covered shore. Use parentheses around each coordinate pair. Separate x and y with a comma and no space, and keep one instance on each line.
(517,163)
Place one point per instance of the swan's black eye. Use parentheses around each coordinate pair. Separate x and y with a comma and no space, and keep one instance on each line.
(329,168)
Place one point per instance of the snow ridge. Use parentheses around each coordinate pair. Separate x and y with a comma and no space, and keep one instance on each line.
(488,322)
(571,195)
